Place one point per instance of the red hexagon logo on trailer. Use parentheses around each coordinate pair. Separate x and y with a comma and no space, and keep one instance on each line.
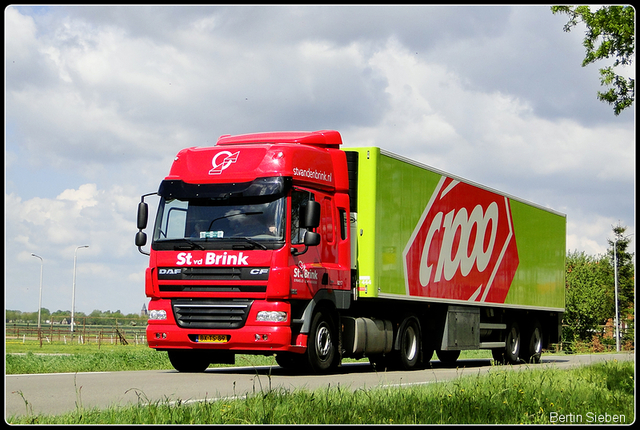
(463,247)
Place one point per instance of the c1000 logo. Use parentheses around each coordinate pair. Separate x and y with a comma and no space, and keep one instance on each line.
(463,247)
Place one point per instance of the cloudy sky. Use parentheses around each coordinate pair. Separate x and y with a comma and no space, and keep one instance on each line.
(98,100)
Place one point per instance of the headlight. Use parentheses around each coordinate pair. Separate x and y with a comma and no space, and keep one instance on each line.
(271,316)
(157,315)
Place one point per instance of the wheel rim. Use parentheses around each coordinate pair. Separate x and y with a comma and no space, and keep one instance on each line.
(323,342)
(514,341)
(536,341)
(410,343)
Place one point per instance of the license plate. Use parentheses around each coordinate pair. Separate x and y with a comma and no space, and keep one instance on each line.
(215,338)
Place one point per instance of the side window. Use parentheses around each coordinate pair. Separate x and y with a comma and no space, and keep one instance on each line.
(297,199)
(343,224)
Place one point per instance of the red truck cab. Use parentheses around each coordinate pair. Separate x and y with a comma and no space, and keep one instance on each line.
(250,238)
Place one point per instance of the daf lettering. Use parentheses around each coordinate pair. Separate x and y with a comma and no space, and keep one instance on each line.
(169,271)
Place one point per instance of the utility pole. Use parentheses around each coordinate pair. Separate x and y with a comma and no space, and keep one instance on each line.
(40,296)
(73,291)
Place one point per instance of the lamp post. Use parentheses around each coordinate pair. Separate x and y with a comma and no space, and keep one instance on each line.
(73,293)
(40,296)
(615,280)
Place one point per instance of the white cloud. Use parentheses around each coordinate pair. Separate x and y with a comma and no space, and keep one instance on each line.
(100,99)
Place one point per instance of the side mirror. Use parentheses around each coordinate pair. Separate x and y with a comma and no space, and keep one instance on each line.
(310,214)
(141,239)
(143,215)
(311,238)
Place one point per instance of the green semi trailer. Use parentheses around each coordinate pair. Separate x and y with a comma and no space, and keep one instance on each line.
(284,243)
(467,266)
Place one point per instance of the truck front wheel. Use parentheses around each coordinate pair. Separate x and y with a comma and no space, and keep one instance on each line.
(185,360)
(322,347)
(290,360)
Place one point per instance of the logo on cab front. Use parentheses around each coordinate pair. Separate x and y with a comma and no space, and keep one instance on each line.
(222,160)
(463,247)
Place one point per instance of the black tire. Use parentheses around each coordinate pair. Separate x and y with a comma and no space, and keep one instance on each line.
(410,344)
(498,356)
(188,361)
(532,351)
(322,344)
(381,362)
(513,343)
(290,360)
(447,357)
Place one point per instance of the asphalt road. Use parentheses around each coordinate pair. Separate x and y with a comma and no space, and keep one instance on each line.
(63,392)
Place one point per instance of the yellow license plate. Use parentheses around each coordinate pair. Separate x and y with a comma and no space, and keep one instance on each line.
(215,338)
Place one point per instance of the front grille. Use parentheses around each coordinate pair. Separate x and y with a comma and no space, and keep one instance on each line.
(214,288)
(211,313)
(213,273)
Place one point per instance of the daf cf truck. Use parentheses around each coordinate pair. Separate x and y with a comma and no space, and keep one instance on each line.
(287,244)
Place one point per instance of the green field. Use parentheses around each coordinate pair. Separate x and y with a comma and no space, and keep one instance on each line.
(30,357)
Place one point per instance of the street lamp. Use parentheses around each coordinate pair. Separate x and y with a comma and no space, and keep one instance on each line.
(40,296)
(615,280)
(73,293)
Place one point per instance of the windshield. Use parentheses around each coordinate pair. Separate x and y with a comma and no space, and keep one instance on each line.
(230,216)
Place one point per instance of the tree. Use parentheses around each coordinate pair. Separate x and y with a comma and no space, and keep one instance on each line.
(610,33)
(626,274)
(589,299)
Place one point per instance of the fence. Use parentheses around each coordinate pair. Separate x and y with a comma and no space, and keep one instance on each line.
(83,333)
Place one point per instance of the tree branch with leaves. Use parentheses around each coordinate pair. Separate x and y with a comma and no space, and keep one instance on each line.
(610,34)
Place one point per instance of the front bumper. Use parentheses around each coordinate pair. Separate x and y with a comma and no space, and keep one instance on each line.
(258,337)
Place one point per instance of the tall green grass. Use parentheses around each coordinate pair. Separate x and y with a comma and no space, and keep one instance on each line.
(538,396)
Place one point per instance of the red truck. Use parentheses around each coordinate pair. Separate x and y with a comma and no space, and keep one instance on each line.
(285,244)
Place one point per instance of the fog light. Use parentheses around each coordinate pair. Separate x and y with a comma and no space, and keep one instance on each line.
(261,337)
(161,335)
(271,316)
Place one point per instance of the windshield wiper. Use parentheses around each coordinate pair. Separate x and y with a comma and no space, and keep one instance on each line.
(252,242)
(190,245)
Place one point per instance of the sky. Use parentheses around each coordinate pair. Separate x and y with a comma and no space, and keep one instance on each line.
(98,101)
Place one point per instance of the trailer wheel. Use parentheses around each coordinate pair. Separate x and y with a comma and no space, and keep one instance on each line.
(447,357)
(322,346)
(533,350)
(409,337)
(185,360)
(512,348)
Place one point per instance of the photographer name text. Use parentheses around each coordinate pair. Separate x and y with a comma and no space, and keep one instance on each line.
(588,418)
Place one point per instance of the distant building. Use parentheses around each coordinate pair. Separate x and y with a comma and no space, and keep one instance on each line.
(144,312)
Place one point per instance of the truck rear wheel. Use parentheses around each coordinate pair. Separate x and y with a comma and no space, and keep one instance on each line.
(409,352)
(186,360)
(533,348)
(322,346)
(512,347)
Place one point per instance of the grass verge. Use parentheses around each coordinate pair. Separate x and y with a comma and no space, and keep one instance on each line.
(599,393)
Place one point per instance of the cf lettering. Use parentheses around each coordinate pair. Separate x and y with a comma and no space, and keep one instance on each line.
(471,249)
